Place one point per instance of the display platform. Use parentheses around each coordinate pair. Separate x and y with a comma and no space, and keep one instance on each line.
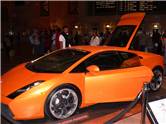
(98,114)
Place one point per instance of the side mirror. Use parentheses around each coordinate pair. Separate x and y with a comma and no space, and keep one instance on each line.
(93,68)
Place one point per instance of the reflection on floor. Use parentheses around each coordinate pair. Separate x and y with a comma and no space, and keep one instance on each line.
(134,119)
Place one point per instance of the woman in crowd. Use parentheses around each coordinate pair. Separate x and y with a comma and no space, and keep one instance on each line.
(95,40)
(34,39)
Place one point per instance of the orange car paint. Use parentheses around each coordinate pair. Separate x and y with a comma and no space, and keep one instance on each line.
(131,19)
(30,105)
(35,98)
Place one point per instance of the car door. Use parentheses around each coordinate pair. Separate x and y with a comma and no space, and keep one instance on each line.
(120,78)
(131,19)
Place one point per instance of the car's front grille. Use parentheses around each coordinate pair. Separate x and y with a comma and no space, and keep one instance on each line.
(5,110)
(7,115)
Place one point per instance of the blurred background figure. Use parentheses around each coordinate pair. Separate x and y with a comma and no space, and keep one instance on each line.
(95,40)
(42,42)
(164,49)
(34,39)
(76,38)
(53,40)
(156,39)
(142,39)
(47,41)
(101,36)
(18,39)
(64,38)
(107,37)
(8,46)
(57,43)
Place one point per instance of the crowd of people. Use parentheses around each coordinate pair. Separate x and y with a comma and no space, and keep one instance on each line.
(44,41)
(154,42)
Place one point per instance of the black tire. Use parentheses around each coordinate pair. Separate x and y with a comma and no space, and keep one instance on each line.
(157,79)
(63,103)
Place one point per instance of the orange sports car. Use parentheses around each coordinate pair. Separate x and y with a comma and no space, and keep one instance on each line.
(59,83)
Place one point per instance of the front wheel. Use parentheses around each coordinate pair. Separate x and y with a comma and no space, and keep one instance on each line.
(156,80)
(62,103)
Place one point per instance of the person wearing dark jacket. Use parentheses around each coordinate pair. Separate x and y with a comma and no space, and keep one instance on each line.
(156,39)
(64,38)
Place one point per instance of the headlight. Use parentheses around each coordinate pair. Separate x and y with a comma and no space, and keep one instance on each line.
(29,86)
(23,89)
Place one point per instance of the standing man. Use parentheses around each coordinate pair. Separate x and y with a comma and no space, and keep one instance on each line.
(64,38)
(142,39)
(156,39)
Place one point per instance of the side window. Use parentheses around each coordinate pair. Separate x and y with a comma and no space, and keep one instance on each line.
(105,61)
(129,60)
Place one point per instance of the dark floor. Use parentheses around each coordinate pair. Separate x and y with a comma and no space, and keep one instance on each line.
(94,114)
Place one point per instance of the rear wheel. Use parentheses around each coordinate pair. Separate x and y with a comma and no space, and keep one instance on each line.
(62,103)
(157,79)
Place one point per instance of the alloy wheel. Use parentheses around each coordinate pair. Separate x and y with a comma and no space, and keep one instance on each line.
(157,80)
(63,103)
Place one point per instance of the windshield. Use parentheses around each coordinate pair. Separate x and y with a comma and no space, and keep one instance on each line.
(57,62)
(121,35)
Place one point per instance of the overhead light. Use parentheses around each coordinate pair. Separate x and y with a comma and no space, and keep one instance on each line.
(107,26)
(76,26)
(11,33)
(156,26)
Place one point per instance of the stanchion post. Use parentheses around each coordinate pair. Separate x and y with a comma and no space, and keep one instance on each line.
(144,102)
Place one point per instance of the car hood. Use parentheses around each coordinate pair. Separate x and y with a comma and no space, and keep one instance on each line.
(19,77)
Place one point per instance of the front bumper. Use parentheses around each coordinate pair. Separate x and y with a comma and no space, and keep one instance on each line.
(30,104)
(23,108)
(5,111)
(6,114)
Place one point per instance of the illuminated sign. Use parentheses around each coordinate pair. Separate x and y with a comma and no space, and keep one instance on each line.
(121,7)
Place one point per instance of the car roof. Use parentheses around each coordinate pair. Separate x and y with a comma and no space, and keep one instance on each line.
(98,48)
